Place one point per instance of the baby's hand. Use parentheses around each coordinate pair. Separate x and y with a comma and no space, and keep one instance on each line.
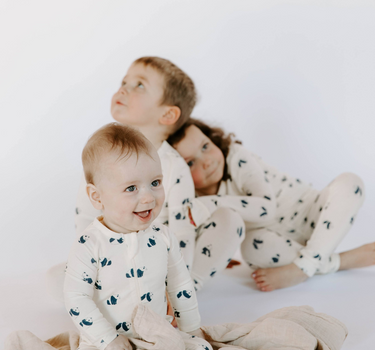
(120,343)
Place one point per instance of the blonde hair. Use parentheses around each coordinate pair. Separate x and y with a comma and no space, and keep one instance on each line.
(113,137)
(179,89)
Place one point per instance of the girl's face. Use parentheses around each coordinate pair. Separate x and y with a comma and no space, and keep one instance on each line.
(205,159)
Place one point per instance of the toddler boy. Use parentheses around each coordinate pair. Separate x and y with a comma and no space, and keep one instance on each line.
(123,258)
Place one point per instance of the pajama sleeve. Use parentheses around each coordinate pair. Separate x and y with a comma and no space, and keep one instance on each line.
(180,194)
(80,278)
(85,212)
(181,290)
(257,204)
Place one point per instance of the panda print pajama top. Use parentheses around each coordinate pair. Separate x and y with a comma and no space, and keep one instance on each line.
(207,249)
(109,273)
(287,221)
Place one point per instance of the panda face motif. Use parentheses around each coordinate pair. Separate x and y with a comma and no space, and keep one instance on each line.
(74,312)
(113,299)
(83,239)
(86,322)
(86,278)
(184,294)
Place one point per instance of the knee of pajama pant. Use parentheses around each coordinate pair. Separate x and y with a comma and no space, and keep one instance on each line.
(264,248)
(349,183)
(218,240)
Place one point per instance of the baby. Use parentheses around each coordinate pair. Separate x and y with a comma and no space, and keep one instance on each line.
(123,258)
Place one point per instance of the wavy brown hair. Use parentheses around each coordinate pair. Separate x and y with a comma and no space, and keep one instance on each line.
(215,134)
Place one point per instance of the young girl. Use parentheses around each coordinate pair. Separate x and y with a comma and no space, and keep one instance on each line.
(292,229)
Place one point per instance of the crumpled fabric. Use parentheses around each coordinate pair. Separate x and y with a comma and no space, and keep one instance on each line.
(296,327)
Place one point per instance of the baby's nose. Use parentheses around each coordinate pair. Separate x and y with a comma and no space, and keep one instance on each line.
(147,197)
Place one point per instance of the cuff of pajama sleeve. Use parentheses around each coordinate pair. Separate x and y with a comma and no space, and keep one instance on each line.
(307,264)
(104,342)
(199,212)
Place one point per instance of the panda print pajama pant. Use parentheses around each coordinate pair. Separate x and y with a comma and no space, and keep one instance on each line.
(310,232)
(217,241)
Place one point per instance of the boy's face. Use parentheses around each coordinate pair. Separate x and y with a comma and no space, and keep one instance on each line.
(137,102)
(205,159)
(131,191)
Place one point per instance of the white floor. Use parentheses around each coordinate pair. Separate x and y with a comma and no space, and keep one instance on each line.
(230,297)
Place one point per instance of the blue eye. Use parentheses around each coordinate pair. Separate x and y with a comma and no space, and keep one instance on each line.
(140,85)
(205,146)
(130,189)
(190,164)
(155,183)
(123,83)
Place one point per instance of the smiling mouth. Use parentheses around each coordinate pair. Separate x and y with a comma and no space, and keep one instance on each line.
(143,215)
(119,103)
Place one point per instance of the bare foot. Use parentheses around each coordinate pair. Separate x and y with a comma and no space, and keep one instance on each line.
(278,277)
(359,257)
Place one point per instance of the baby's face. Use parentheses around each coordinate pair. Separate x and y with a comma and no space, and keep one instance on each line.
(131,191)
(205,159)
(137,101)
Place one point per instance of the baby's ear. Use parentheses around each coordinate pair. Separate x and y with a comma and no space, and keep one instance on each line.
(94,196)
(171,115)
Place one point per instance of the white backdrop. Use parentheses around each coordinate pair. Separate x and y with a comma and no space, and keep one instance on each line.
(294,80)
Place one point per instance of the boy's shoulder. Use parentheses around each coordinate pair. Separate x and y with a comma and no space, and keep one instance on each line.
(166,150)
(171,161)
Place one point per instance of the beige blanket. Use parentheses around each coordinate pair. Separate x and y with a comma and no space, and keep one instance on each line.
(289,328)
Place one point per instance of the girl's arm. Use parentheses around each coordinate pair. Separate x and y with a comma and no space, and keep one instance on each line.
(180,195)
(80,278)
(257,204)
(181,290)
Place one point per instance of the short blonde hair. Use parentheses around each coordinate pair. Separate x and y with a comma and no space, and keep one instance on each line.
(179,89)
(113,137)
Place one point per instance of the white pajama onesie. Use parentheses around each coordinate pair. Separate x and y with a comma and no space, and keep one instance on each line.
(179,193)
(109,273)
(286,220)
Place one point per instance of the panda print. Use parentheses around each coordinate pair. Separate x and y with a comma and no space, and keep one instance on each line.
(204,347)
(74,312)
(239,231)
(116,241)
(113,299)
(86,322)
(151,242)
(179,216)
(210,225)
(212,274)
(83,239)
(98,285)
(184,294)
(105,262)
(183,244)
(86,278)
(155,228)
(140,272)
(147,296)
(207,250)
(123,326)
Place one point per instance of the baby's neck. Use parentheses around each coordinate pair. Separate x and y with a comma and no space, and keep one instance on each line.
(154,135)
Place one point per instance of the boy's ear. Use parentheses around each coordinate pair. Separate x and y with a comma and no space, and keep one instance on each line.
(171,115)
(94,196)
